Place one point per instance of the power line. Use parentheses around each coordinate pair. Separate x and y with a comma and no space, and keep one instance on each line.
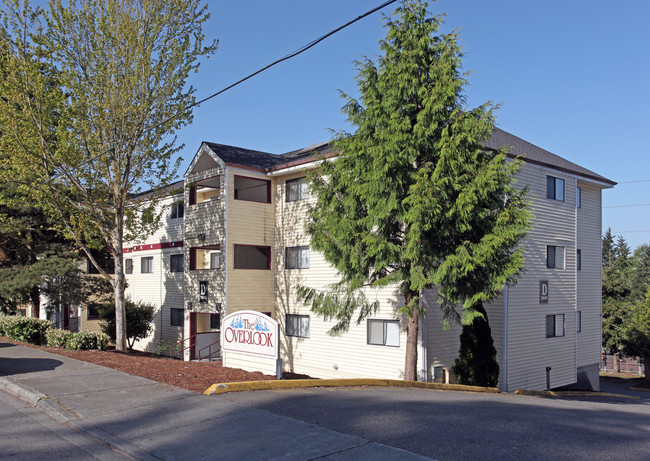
(630,182)
(628,231)
(293,54)
(626,206)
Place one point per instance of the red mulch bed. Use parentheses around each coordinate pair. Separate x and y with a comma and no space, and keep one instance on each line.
(193,376)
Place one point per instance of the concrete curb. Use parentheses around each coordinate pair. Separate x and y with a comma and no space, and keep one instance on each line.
(21,391)
(574,394)
(223,388)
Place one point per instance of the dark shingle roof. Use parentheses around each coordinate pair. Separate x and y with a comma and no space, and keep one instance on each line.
(515,146)
(533,154)
(246,157)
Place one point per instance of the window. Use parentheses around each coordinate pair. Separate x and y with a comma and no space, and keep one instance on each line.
(555,188)
(297,325)
(554,326)
(215,321)
(579,322)
(579,260)
(578,197)
(206,190)
(91,313)
(177,317)
(252,257)
(383,332)
(128,266)
(177,211)
(296,189)
(252,189)
(206,257)
(296,257)
(554,257)
(146,265)
(176,263)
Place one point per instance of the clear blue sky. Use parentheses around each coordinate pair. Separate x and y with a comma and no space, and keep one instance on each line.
(572,77)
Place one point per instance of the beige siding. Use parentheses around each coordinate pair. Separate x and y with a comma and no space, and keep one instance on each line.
(204,225)
(248,223)
(589,295)
(529,351)
(322,355)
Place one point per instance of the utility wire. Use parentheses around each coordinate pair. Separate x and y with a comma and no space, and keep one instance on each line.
(629,182)
(293,54)
(626,206)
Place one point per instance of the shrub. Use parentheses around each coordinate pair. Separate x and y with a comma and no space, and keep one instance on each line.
(139,316)
(57,338)
(25,329)
(85,340)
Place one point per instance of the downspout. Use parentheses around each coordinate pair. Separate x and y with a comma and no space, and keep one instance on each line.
(505,338)
(423,346)
(575,290)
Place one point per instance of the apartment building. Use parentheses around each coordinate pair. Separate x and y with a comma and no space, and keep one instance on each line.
(234,239)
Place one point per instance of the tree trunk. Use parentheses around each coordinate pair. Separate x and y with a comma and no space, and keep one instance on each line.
(118,290)
(35,297)
(411,364)
(617,365)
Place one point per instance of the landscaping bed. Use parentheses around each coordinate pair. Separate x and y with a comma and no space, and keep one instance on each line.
(193,376)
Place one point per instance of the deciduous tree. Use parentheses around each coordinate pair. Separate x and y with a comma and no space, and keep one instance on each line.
(95,91)
(413,199)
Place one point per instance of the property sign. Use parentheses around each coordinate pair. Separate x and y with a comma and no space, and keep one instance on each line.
(543,291)
(250,333)
(203,291)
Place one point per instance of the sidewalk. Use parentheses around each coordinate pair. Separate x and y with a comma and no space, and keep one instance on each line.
(148,420)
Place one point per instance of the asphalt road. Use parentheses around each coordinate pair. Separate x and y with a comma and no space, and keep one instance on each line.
(469,426)
(28,434)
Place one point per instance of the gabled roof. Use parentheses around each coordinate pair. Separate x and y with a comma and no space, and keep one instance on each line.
(538,156)
(267,162)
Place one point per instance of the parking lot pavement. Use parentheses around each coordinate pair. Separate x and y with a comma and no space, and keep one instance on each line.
(460,425)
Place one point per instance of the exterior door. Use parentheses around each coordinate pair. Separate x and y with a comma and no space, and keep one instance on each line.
(192,335)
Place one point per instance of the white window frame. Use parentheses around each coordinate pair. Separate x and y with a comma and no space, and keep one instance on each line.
(296,189)
(296,257)
(146,265)
(552,261)
(176,257)
(558,328)
(555,188)
(128,266)
(389,330)
(177,210)
(297,326)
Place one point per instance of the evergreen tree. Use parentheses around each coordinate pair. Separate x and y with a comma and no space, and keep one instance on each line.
(635,333)
(641,273)
(413,198)
(476,364)
(616,290)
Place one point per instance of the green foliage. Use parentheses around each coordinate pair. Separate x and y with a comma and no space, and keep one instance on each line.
(641,273)
(476,364)
(87,340)
(616,289)
(55,337)
(139,318)
(635,333)
(92,95)
(338,304)
(414,199)
(25,329)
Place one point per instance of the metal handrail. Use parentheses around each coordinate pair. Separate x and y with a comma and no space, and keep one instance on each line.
(209,347)
(192,340)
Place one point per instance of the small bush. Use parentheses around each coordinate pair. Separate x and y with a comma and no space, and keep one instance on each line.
(25,329)
(85,340)
(57,338)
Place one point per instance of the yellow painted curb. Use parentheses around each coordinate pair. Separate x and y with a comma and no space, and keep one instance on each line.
(222,388)
(574,394)
(634,388)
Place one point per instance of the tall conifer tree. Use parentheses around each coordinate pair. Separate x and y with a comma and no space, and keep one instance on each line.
(413,198)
